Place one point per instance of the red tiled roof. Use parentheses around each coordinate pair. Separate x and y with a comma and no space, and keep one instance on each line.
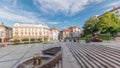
(73,27)
(53,29)
(66,30)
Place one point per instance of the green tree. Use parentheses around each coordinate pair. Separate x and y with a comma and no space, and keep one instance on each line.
(90,26)
(109,23)
(106,23)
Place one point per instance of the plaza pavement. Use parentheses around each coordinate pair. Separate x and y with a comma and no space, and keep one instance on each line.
(11,56)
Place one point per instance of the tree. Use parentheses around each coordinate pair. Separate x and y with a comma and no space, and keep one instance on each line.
(106,23)
(90,26)
(109,23)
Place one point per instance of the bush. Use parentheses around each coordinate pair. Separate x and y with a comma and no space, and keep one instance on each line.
(103,37)
(25,40)
(83,37)
(39,40)
(16,41)
(87,40)
(45,39)
(32,40)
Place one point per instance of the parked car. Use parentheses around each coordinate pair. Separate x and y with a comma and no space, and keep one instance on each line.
(95,40)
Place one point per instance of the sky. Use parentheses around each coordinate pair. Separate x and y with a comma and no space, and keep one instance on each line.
(55,13)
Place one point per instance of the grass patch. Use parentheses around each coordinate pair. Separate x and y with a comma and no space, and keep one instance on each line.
(83,38)
(103,37)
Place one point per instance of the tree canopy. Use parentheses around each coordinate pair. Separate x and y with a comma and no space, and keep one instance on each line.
(106,23)
(90,27)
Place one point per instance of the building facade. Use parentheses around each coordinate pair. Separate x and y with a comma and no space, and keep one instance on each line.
(75,33)
(5,33)
(70,34)
(36,31)
(116,10)
(54,33)
(64,35)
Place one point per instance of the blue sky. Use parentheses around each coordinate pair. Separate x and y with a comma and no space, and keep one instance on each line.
(55,13)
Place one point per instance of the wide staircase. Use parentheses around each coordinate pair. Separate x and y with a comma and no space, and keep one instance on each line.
(95,56)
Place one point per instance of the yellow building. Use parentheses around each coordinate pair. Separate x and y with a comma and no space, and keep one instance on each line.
(21,31)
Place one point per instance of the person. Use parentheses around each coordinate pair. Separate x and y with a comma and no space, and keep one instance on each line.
(34,61)
(39,59)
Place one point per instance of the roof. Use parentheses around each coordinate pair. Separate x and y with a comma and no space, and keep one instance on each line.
(53,29)
(115,8)
(2,25)
(30,25)
(66,30)
(73,27)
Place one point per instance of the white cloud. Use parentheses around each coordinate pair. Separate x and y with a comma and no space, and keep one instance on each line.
(19,16)
(16,18)
(10,11)
(111,5)
(67,7)
(117,3)
(53,23)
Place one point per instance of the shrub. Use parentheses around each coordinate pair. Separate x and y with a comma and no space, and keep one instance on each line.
(45,39)
(32,40)
(25,40)
(39,40)
(103,37)
(87,40)
(16,41)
